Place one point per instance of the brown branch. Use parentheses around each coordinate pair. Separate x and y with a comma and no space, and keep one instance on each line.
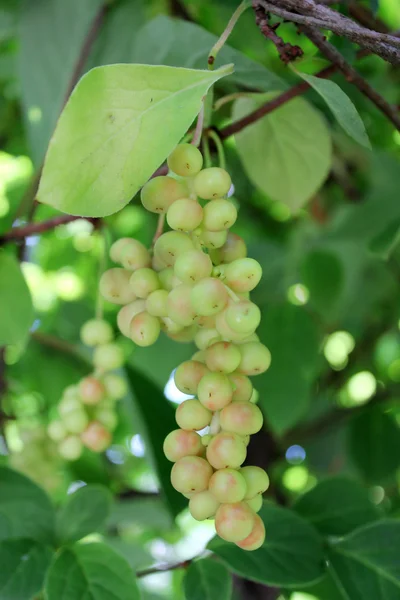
(287,52)
(310,14)
(352,75)
(19,233)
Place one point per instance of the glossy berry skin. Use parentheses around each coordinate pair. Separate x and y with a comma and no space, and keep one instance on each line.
(143,282)
(160,192)
(212,183)
(203,505)
(108,357)
(223,357)
(156,303)
(243,317)
(188,375)
(144,329)
(180,443)
(242,387)
(126,314)
(171,245)
(191,474)
(243,418)
(255,503)
(214,391)
(243,274)
(255,358)
(130,253)
(233,249)
(256,538)
(257,481)
(186,160)
(226,450)
(208,296)
(234,522)
(219,215)
(192,415)
(114,286)
(185,214)
(192,266)
(228,485)
(116,386)
(180,307)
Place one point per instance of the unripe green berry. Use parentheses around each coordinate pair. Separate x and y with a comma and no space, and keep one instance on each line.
(185,214)
(114,286)
(255,358)
(208,296)
(170,245)
(203,505)
(156,303)
(228,485)
(188,375)
(226,450)
(214,392)
(223,357)
(108,357)
(56,430)
(191,474)
(116,386)
(180,443)
(212,183)
(219,215)
(160,192)
(130,253)
(144,329)
(243,418)
(96,332)
(144,281)
(192,266)
(257,481)
(186,160)
(126,314)
(234,522)
(70,448)
(192,415)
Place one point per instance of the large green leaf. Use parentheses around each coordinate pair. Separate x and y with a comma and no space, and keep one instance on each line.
(23,568)
(291,335)
(25,510)
(374,443)
(16,311)
(120,123)
(287,153)
(365,564)
(156,416)
(322,273)
(336,506)
(90,572)
(84,512)
(341,106)
(187,45)
(207,579)
(291,555)
(52,33)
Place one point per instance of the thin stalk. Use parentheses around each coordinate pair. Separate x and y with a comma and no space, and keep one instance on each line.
(230,98)
(220,148)
(226,33)
(231,293)
(102,266)
(206,152)
(199,127)
(159,229)
(214,425)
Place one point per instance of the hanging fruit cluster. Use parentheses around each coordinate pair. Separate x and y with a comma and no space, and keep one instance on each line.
(195,285)
(87,413)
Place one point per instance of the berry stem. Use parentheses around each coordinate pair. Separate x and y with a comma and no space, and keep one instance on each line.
(231,293)
(220,148)
(159,228)
(226,33)
(199,127)
(230,98)
(206,152)
(102,267)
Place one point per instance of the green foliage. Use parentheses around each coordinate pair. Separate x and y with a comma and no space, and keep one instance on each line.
(365,564)
(113,134)
(341,106)
(97,574)
(323,506)
(291,555)
(207,579)
(84,512)
(374,444)
(25,510)
(291,335)
(322,274)
(14,328)
(23,567)
(287,158)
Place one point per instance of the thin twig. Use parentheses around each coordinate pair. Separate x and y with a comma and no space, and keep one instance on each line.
(287,52)
(163,568)
(243,6)
(199,127)
(159,229)
(19,233)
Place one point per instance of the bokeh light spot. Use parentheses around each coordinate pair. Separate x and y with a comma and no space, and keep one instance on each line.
(361,387)
(295,479)
(298,294)
(295,454)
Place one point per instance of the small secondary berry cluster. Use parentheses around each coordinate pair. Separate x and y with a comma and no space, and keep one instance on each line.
(195,285)
(87,415)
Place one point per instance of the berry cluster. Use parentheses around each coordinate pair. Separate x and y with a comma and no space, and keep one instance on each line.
(195,285)
(87,413)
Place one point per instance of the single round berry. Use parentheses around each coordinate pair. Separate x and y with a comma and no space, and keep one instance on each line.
(126,314)
(243,418)
(107,416)
(242,387)
(233,249)
(191,474)
(70,448)
(257,481)
(96,437)
(223,357)
(108,357)
(226,332)
(215,392)
(56,430)
(206,337)
(171,245)
(144,329)
(91,390)
(228,485)
(219,215)
(180,443)
(167,277)
(243,317)
(203,505)
(186,160)
(185,335)
(96,332)
(255,503)
(209,296)
(180,307)
(193,266)
(255,358)
(188,375)
(160,192)
(144,281)
(226,450)
(212,183)
(130,253)
(234,522)
(256,538)
(156,303)
(114,286)
(192,415)
(212,239)
(243,274)
(116,386)
(185,214)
